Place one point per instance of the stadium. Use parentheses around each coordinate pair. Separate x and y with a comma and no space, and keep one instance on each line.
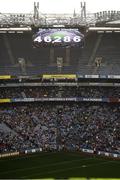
(60,95)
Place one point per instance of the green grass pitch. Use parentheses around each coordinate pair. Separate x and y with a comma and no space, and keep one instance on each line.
(61,165)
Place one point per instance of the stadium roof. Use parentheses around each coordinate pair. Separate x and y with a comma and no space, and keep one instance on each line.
(114,22)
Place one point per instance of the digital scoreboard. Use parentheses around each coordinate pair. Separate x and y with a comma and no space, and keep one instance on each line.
(61,37)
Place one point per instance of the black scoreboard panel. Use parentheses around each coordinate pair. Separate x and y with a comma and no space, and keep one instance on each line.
(58,37)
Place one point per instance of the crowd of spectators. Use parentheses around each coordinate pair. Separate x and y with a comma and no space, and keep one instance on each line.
(34,125)
(59,91)
(60,126)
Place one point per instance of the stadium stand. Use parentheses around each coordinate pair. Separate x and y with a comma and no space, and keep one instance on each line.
(60,127)
(56,91)
(110,53)
(60,116)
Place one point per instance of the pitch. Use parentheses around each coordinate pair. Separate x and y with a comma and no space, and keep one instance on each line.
(59,165)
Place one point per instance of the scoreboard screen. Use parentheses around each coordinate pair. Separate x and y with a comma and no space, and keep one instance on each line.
(58,37)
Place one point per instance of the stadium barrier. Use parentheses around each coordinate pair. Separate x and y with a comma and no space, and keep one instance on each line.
(107,154)
(5,100)
(9,154)
(74,99)
(33,151)
(81,99)
(113,155)
(79,76)
(42,99)
(39,84)
(5,77)
(92,99)
(89,151)
(62,99)
(60,76)
(23,100)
